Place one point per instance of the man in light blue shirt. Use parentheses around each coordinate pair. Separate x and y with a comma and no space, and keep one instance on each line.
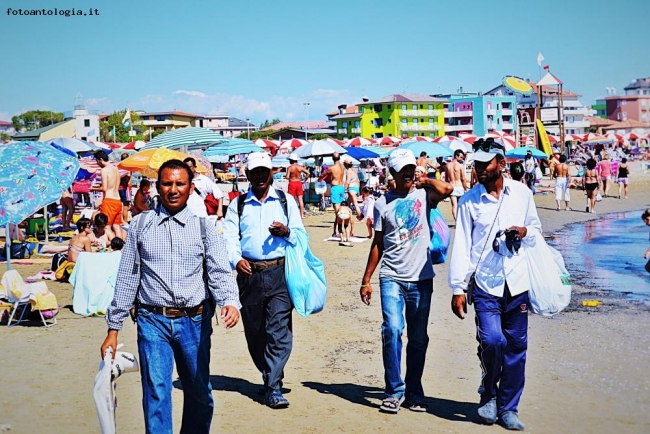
(257,233)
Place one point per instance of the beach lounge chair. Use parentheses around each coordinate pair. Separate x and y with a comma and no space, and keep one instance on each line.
(33,295)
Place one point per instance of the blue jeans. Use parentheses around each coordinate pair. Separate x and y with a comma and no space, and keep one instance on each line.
(415,298)
(502,333)
(186,340)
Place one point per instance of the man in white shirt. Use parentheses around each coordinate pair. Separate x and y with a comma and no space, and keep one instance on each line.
(202,187)
(496,223)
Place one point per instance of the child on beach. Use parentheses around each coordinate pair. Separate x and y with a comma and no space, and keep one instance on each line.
(344,220)
(367,209)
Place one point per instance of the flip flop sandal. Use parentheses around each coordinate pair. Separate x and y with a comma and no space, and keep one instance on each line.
(391,404)
(417,406)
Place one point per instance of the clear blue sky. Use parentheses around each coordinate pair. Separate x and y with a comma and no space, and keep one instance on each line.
(264,59)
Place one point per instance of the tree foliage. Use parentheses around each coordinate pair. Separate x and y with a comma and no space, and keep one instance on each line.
(122,134)
(33,119)
(267,123)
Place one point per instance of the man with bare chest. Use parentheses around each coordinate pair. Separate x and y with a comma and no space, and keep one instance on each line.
(424,162)
(455,175)
(294,171)
(562,178)
(111,204)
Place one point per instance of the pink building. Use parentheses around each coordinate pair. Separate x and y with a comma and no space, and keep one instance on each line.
(634,105)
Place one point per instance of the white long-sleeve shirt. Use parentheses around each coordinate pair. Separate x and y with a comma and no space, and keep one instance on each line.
(476,212)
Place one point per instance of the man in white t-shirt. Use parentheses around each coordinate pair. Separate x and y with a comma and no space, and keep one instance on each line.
(202,187)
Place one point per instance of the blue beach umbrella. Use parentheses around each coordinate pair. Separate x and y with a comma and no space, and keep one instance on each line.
(32,175)
(192,137)
(523,150)
(433,150)
(382,152)
(229,148)
(361,153)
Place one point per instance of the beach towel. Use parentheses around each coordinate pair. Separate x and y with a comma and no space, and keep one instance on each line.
(37,294)
(93,282)
(352,239)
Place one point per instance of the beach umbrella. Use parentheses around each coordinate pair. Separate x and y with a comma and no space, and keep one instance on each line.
(293,143)
(444,138)
(573,138)
(319,148)
(615,137)
(433,150)
(382,152)
(457,144)
(32,176)
(269,145)
(507,140)
(523,150)
(360,141)
(631,136)
(423,139)
(191,137)
(283,161)
(230,148)
(74,145)
(469,138)
(361,153)
(148,161)
(388,140)
(334,141)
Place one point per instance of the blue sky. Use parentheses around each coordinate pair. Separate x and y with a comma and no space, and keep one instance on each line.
(265,59)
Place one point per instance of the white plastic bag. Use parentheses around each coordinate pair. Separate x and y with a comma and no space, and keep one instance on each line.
(105,397)
(538,173)
(598,197)
(550,286)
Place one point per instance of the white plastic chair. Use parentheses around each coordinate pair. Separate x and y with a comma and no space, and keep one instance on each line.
(23,294)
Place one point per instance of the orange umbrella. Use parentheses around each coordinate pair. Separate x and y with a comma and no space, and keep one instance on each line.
(148,162)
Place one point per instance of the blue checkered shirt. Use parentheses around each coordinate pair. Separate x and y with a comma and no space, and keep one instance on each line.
(171,266)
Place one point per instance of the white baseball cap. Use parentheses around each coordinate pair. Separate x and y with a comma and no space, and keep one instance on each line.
(258,159)
(293,156)
(401,158)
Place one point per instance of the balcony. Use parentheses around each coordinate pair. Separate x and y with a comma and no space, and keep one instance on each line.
(459,114)
(508,126)
(491,112)
(410,113)
(424,127)
(577,124)
(343,130)
(506,112)
(468,127)
(356,130)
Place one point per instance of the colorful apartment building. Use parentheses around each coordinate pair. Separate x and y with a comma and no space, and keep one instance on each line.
(397,115)
(478,114)
(168,120)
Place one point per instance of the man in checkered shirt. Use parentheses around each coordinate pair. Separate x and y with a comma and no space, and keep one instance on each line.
(176,303)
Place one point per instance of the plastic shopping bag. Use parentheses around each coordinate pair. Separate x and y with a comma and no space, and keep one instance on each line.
(305,276)
(550,286)
(440,236)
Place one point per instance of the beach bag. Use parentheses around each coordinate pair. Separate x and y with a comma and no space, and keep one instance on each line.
(305,276)
(58,259)
(538,173)
(211,204)
(440,236)
(17,250)
(599,197)
(550,285)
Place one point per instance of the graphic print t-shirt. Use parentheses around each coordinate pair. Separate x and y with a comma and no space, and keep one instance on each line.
(403,221)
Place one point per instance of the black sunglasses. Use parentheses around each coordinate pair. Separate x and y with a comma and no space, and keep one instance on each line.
(513,242)
(487,145)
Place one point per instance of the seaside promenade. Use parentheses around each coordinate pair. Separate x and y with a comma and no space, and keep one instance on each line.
(586,372)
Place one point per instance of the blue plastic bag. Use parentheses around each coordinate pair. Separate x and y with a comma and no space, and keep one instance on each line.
(440,237)
(305,276)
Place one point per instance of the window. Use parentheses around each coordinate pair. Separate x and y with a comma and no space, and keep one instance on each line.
(430,107)
(84,138)
(624,102)
(404,121)
(86,123)
(363,109)
(160,118)
(414,107)
(404,107)
(379,122)
(389,107)
(344,124)
(377,108)
(421,106)
(497,106)
(430,121)
(356,124)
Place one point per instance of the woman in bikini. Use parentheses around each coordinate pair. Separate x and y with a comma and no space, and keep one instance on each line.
(80,242)
(101,235)
(591,184)
(622,178)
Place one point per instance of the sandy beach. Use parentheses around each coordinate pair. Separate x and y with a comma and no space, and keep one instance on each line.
(586,371)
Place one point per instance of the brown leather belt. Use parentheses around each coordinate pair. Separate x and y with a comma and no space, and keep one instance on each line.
(263,265)
(174,312)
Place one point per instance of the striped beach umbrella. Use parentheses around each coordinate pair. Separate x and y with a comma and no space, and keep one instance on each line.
(360,141)
(192,137)
(388,140)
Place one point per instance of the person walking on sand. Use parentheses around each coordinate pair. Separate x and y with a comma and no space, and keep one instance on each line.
(530,166)
(367,208)
(622,178)
(337,192)
(257,232)
(111,203)
(352,183)
(591,184)
(203,186)
(344,220)
(406,274)
(499,214)
(455,175)
(605,168)
(562,181)
(294,175)
(175,276)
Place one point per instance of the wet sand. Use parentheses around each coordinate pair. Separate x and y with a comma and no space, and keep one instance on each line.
(586,372)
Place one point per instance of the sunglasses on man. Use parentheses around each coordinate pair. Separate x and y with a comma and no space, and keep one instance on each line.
(487,145)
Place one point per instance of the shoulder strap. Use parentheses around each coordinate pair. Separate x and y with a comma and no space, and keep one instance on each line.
(241,203)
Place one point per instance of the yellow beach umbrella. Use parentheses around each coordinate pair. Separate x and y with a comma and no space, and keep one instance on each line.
(148,162)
